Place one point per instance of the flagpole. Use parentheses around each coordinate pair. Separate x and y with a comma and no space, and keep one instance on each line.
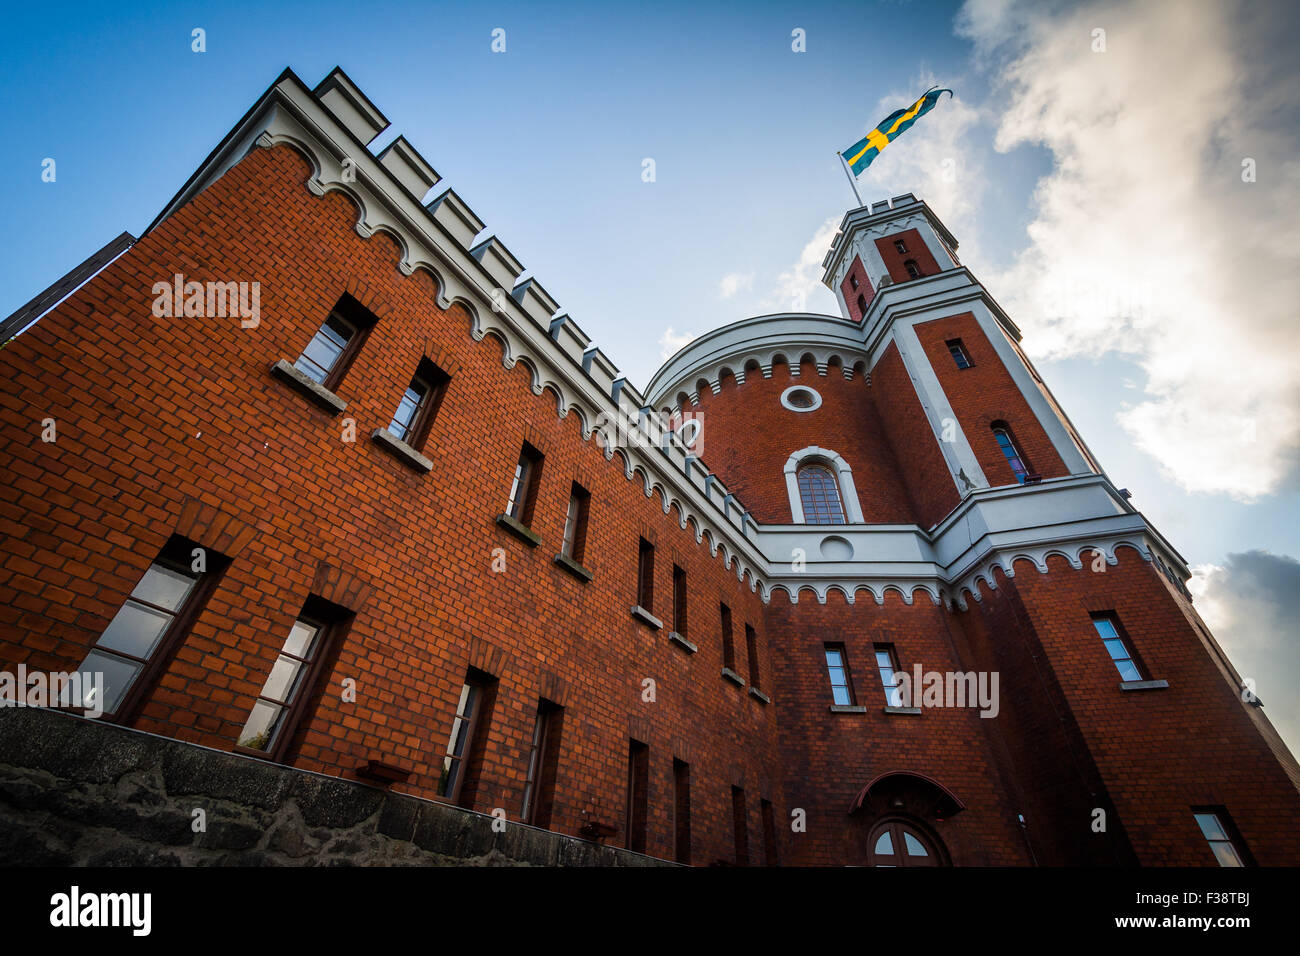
(852,181)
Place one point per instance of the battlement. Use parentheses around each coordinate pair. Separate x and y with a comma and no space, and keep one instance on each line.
(334,126)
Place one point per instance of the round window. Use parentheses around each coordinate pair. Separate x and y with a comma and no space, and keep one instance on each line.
(800,398)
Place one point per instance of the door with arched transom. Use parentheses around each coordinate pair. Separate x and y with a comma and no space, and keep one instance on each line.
(900,843)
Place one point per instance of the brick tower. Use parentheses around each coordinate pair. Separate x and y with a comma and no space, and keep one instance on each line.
(925,505)
(315,474)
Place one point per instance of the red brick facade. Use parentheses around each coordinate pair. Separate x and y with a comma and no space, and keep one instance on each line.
(857,290)
(158,418)
(177,427)
(984,394)
(748,436)
(914,250)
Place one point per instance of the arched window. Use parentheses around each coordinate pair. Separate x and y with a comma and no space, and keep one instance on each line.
(862,303)
(1015,458)
(913,270)
(819,493)
(820,486)
(896,843)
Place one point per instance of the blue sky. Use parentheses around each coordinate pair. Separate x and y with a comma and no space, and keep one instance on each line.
(546,143)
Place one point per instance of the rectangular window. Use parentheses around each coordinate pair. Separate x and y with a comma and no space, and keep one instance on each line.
(328,355)
(638,794)
(575,523)
(728,642)
(543,754)
(958,351)
(887,664)
(769,832)
(837,665)
(146,631)
(419,405)
(1222,836)
(740,822)
(293,679)
(523,490)
(458,778)
(682,810)
(679,600)
(1107,626)
(645,576)
(751,649)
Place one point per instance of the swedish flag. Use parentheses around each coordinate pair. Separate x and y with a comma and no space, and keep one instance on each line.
(859,156)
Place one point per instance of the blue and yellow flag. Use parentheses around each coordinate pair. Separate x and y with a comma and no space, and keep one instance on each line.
(860,154)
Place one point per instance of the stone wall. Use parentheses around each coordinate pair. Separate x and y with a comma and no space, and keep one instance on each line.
(77,792)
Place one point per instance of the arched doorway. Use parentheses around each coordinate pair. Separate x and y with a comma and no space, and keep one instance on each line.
(899,842)
(901,814)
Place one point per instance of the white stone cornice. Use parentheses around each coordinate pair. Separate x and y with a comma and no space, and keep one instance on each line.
(762,339)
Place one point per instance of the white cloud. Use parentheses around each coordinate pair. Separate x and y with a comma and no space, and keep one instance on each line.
(804,278)
(670,342)
(1145,239)
(1247,605)
(735,282)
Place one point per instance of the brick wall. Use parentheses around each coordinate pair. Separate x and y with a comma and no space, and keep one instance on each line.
(917,251)
(749,435)
(983,394)
(1156,753)
(830,757)
(928,481)
(157,416)
(857,272)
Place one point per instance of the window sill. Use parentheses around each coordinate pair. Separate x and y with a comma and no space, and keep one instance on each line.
(847,709)
(401,450)
(914,711)
(759,696)
(645,617)
(729,674)
(318,395)
(519,530)
(573,567)
(682,642)
(1143,684)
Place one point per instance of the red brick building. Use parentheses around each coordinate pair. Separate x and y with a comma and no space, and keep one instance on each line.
(308,472)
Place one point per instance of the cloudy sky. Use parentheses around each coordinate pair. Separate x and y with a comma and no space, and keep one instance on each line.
(1122,176)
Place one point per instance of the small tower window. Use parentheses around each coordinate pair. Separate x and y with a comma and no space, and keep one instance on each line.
(887,664)
(1015,458)
(853,281)
(523,489)
(1108,628)
(819,493)
(913,270)
(419,404)
(328,355)
(862,303)
(838,667)
(1218,831)
(959,355)
(900,245)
